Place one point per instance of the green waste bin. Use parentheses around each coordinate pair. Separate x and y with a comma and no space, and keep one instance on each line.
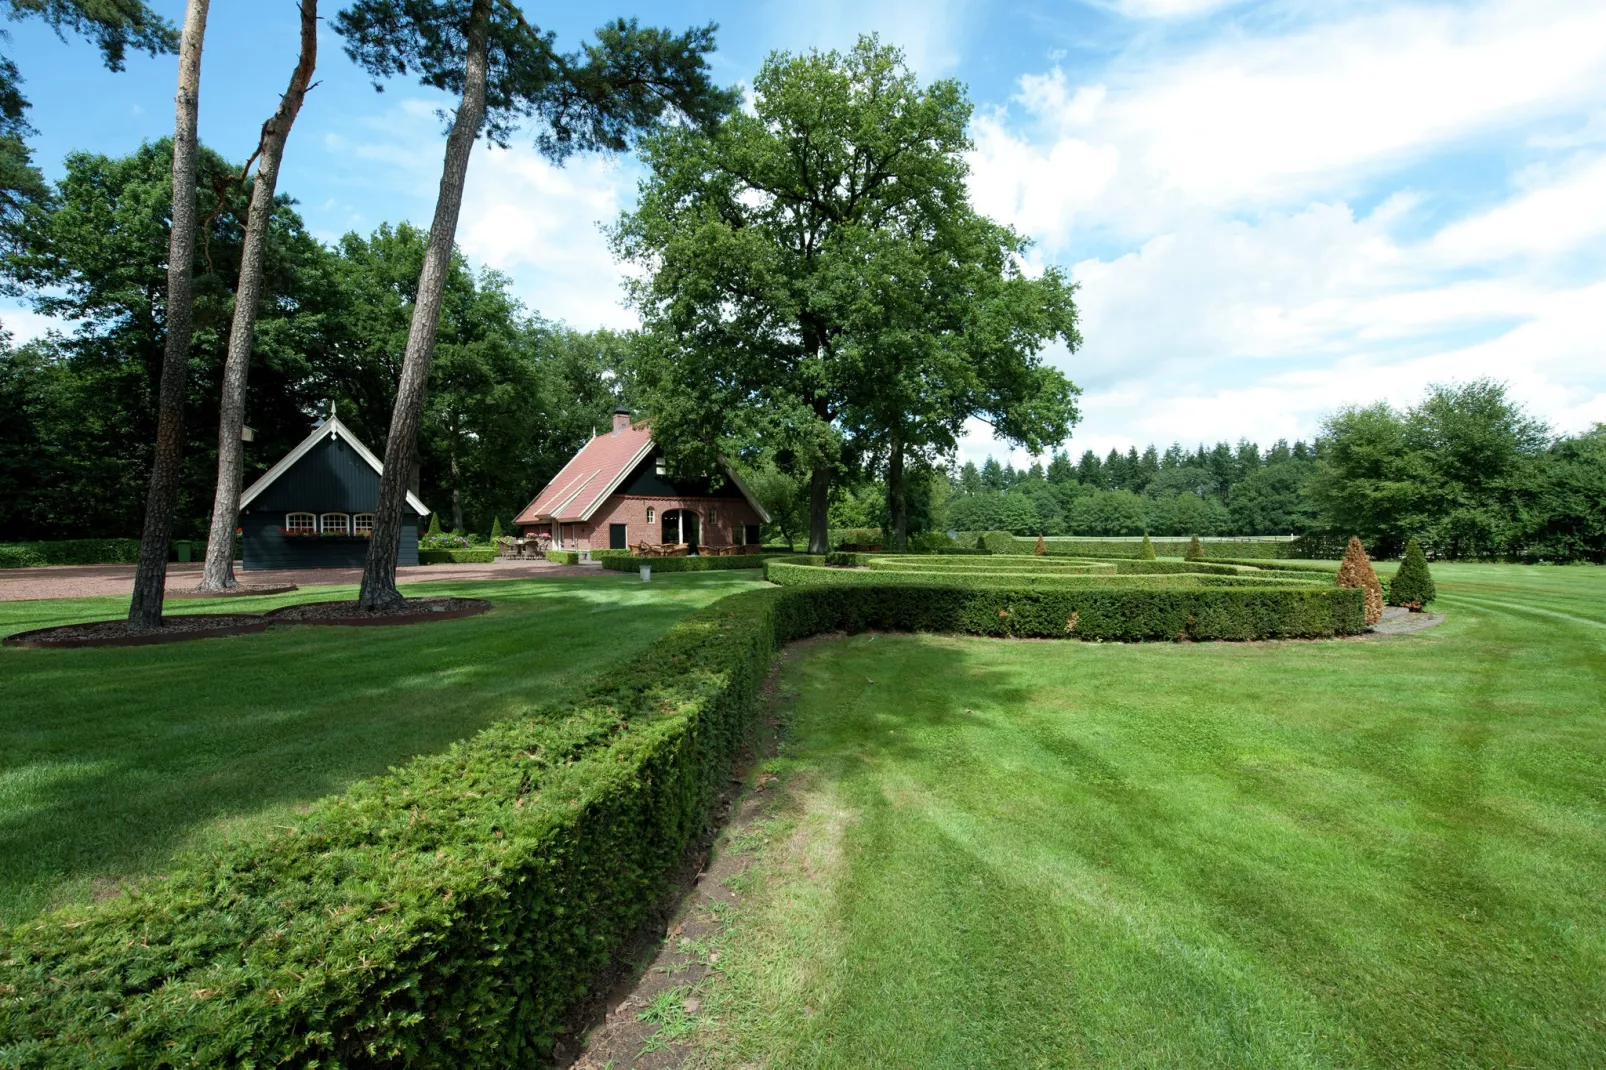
(182,548)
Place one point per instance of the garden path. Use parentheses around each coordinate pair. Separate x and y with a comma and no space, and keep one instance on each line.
(88,581)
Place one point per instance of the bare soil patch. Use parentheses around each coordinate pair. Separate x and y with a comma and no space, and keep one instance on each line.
(117,632)
(410,611)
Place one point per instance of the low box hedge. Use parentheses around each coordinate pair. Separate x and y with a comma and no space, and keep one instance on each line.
(449,912)
(1165,547)
(1274,566)
(687,564)
(564,557)
(789,574)
(476,556)
(76,552)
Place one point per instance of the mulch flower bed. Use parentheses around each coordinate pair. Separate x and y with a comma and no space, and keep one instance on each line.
(240,591)
(411,611)
(117,633)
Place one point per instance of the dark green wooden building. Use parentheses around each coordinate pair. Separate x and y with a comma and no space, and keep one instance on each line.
(315,508)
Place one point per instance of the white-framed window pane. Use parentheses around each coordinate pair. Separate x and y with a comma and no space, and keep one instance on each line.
(336,524)
(300,522)
(651,513)
(713,514)
(362,524)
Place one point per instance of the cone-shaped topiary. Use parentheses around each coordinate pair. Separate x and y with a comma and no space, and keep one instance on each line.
(1145,549)
(496,528)
(1412,585)
(1195,550)
(434,524)
(1356,571)
(1042,547)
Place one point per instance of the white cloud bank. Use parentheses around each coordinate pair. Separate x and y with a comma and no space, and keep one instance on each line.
(1254,297)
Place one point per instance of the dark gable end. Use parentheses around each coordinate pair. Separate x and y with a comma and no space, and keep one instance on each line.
(646,481)
(330,478)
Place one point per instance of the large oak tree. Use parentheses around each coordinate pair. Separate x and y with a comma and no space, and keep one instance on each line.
(816,280)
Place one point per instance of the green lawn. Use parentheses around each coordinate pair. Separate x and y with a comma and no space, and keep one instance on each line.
(113,759)
(1354,853)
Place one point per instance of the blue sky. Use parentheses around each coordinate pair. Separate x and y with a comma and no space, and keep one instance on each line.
(1273,207)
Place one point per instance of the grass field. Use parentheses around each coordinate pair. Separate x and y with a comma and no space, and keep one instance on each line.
(1352,853)
(111,760)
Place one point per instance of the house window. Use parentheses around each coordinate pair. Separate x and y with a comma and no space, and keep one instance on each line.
(362,524)
(662,468)
(650,514)
(336,524)
(713,514)
(300,522)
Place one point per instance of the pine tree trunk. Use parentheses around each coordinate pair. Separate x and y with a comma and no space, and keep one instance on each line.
(896,504)
(219,572)
(150,574)
(379,570)
(820,510)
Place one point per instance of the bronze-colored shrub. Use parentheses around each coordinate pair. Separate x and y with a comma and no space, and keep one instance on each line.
(1356,571)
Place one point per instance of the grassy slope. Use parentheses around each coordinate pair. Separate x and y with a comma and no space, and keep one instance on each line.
(1365,853)
(110,760)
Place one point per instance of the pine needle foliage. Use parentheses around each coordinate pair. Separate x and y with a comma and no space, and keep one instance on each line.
(496,527)
(1412,585)
(1195,550)
(1356,571)
(434,524)
(1146,550)
(1042,547)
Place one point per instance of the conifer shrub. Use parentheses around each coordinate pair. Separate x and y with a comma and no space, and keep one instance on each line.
(1356,571)
(496,528)
(434,524)
(1195,550)
(1145,550)
(1412,585)
(1042,547)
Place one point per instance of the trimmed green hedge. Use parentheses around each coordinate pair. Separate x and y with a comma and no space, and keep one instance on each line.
(1275,566)
(1102,612)
(1165,547)
(789,574)
(476,556)
(564,557)
(687,564)
(450,912)
(444,914)
(75,552)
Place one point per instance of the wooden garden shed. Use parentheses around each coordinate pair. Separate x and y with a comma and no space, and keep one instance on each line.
(315,508)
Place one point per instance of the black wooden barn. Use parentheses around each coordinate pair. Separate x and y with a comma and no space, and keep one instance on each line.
(315,508)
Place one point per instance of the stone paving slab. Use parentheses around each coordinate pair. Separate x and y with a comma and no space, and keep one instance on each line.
(89,581)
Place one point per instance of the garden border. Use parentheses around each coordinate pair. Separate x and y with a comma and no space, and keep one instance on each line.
(28,640)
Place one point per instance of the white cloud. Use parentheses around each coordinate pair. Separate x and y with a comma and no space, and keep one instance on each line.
(1237,292)
(25,325)
(1547,219)
(539,224)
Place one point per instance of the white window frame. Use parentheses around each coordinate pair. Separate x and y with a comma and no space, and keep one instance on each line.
(713,514)
(362,529)
(662,467)
(345,524)
(651,515)
(292,522)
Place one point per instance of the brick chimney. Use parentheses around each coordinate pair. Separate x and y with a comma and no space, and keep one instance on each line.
(621,419)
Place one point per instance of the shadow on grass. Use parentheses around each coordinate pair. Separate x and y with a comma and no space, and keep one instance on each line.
(112,759)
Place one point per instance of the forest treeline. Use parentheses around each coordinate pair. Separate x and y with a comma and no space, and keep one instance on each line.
(511,395)
(1466,470)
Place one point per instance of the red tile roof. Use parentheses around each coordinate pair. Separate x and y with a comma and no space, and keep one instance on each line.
(590,476)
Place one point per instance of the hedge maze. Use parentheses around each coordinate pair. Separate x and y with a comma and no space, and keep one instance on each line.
(452,911)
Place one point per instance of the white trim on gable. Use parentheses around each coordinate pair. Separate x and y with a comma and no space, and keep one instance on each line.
(330,428)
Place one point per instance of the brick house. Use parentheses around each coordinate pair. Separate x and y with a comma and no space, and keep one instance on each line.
(615,494)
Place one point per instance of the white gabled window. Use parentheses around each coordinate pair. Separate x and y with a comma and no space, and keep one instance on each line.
(335,524)
(300,522)
(650,514)
(663,468)
(362,524)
